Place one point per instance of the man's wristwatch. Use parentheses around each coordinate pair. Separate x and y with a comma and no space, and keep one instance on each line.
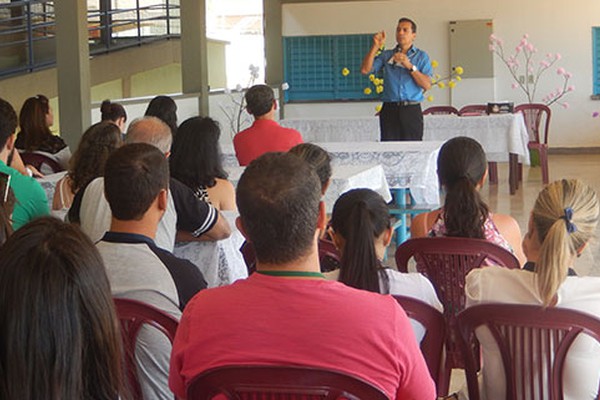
(414,68)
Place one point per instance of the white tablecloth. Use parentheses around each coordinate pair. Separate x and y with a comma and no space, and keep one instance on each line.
(220,262)
(351,129)
(343,179)
(499,134)
(406,164)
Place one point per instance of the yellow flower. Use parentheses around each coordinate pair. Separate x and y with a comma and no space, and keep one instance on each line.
(378,108)
(372,78)
(459,70)
(437,76)
(434,64)
(367,91)
(345,71)
(430,98)
(458,78)
(451,84)
(379,89)
(441,85)
(433,81)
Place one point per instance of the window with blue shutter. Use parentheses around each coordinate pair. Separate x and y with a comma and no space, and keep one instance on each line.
(313,67)
(596,58)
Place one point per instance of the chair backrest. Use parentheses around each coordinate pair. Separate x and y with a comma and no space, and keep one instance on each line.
(252,382)
(433,342)
(473,110)
(533,342)
(534,115)
(132,316)
(440,110)
(329,256)
(41,162)
(446,261)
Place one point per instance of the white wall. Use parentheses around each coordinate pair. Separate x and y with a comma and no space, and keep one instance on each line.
(553,26)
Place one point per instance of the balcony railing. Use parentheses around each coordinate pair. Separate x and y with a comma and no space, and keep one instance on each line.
(28,29)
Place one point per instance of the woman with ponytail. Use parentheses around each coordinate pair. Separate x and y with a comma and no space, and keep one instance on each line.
(462,170)
(115,113)
(361,230)
(563,220)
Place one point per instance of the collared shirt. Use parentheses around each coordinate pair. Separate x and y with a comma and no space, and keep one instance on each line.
(31,198)
(398,84)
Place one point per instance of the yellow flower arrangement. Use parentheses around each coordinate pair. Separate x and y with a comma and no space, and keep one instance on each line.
(459,70)
(367,91)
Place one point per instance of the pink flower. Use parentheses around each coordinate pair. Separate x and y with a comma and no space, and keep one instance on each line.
(518,49)
(530,47)
(544,63)
(523,42)
(568,75)
(595,114)
(515,85)
(549,55)
(570,88)
(491,47)
(492,37)
(525,36)
(499,41)
(561,71)
(565,105)
(530,69)
(558,56)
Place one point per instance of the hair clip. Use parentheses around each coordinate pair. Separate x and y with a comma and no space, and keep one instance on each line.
(568,217)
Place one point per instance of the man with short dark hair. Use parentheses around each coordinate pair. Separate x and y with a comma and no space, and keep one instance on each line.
(136,184)
(265,134)
(287,313)
(185,214)
(406,74)
(31,198)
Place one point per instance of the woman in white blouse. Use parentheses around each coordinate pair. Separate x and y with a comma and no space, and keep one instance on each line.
(563,220)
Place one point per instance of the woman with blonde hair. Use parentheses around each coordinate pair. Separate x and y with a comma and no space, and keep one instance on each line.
(563,220)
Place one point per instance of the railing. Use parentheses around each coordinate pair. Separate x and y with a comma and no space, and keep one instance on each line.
(28,29)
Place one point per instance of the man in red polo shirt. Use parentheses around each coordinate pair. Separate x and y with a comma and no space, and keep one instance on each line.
(265,134)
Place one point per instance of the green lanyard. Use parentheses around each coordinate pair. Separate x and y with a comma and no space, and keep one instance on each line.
(302,274)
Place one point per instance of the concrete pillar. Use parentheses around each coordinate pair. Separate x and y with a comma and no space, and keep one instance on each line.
(273,42)
(194,51)
(73,68)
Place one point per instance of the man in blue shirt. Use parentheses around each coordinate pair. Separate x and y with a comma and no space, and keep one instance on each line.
(406,74)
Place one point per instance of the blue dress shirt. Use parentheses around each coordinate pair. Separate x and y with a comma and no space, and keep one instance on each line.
(398,84)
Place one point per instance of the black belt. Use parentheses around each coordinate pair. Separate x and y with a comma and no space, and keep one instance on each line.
(404,103)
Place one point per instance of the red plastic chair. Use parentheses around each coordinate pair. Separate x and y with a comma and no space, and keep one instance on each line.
(535,116)
(278,382)
(132,316)
(41,162)
(533,342)
(440,110)
(472,110)
(329,256)
(432,345)
(446,261)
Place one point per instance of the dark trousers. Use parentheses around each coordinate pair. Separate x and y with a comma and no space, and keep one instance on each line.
(401,122)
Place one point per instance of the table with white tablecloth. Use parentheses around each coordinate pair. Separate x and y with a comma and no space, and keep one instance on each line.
(503,137)
(352,129)
(343,179)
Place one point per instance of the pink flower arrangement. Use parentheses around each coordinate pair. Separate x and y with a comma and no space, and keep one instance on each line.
(524,58)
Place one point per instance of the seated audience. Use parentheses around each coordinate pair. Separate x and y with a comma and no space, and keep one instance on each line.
(136,267)
(265,134)
(185,213)
(165,109)
(31,200)
(59,334)
(196,162)
(115,113)
(96,144)
(291,315)
(563,220)
(35,120)
(462,170)
(320,160)
(361,230)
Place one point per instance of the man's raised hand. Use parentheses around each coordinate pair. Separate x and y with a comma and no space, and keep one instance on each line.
(379,39)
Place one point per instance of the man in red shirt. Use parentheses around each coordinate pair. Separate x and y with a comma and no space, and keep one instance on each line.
(286,313)
(265,134)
